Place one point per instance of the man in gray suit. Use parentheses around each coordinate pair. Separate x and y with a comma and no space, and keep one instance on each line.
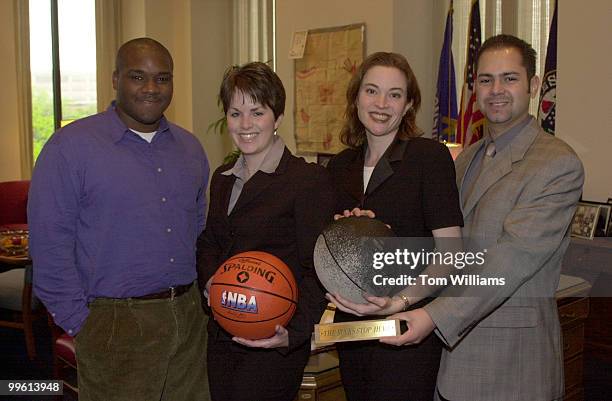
(519,187)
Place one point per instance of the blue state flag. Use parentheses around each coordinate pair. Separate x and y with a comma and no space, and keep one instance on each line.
(445,103)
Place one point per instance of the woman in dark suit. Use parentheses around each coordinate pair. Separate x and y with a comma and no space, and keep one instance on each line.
(271,201)
(407,182)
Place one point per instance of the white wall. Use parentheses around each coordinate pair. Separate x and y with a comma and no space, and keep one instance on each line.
(584,90)
(211,51)
(417,34)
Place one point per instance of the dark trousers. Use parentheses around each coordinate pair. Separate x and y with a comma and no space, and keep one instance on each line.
(143,350)
(372,371)
(238,373)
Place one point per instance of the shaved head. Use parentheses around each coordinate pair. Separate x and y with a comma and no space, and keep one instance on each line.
(143,81)
(139,45)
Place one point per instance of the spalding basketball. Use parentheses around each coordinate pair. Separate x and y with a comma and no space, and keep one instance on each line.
(251,293)
(343,257)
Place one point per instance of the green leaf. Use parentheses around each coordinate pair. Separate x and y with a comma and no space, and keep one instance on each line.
(231,157)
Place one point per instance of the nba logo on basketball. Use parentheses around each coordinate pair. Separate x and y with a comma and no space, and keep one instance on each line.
(238,302)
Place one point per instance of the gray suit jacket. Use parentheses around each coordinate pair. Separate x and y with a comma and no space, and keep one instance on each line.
(504,342)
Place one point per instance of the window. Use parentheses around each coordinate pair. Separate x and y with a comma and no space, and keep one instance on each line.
(62,65)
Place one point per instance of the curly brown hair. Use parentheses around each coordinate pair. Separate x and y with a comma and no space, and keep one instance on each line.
(353,131)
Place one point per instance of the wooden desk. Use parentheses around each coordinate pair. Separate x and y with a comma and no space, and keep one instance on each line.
(592,261)
(321,380)
(573,310)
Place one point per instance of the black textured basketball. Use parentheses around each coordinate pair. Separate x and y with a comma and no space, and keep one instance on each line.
(343,257)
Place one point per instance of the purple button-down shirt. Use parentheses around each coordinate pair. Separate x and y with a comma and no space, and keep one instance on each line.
(112,215)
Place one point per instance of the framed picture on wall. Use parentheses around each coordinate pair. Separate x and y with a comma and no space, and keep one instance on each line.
(603,224)
(585,220)
(606,211)
(330,58)
(603,221)
(609,230)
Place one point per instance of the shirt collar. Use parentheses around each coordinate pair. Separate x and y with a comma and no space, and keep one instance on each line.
(506,137)
(120,129)
(268,165)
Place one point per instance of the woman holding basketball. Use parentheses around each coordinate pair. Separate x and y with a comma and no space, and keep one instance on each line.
(271,201)
(407,182)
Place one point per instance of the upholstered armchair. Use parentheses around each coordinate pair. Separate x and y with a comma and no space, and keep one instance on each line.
(16,299)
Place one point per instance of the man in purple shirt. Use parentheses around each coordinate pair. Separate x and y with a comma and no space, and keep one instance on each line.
(116,205)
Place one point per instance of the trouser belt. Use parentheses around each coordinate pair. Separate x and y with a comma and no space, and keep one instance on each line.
(172,292)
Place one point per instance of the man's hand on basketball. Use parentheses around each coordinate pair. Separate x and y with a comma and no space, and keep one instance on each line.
(355,212)
(278,340)
(374,305)
(419,325)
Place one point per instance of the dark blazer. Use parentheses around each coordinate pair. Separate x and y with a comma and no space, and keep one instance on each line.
(412,187)
(280,213)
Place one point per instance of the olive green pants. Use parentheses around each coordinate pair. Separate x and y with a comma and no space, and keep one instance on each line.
(143,350)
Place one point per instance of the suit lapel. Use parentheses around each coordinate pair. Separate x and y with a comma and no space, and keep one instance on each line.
(225,191)
(252,188)
(385,166)
(496,169)
(501,165)
(351,178)
(382,171)
(462,164)
(259,183)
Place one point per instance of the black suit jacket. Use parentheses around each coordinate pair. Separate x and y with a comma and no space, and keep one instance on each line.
(280,213)
(412,187)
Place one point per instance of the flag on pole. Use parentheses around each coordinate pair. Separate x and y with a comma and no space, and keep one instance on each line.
(445,102)
(471,119)
(548,93)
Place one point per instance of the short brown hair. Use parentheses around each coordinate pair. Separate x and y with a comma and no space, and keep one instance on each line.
(257,80)
(353,131)
(503,41)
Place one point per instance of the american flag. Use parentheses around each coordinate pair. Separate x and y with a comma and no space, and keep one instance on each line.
(548,93)
(471,120)
(445,103)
